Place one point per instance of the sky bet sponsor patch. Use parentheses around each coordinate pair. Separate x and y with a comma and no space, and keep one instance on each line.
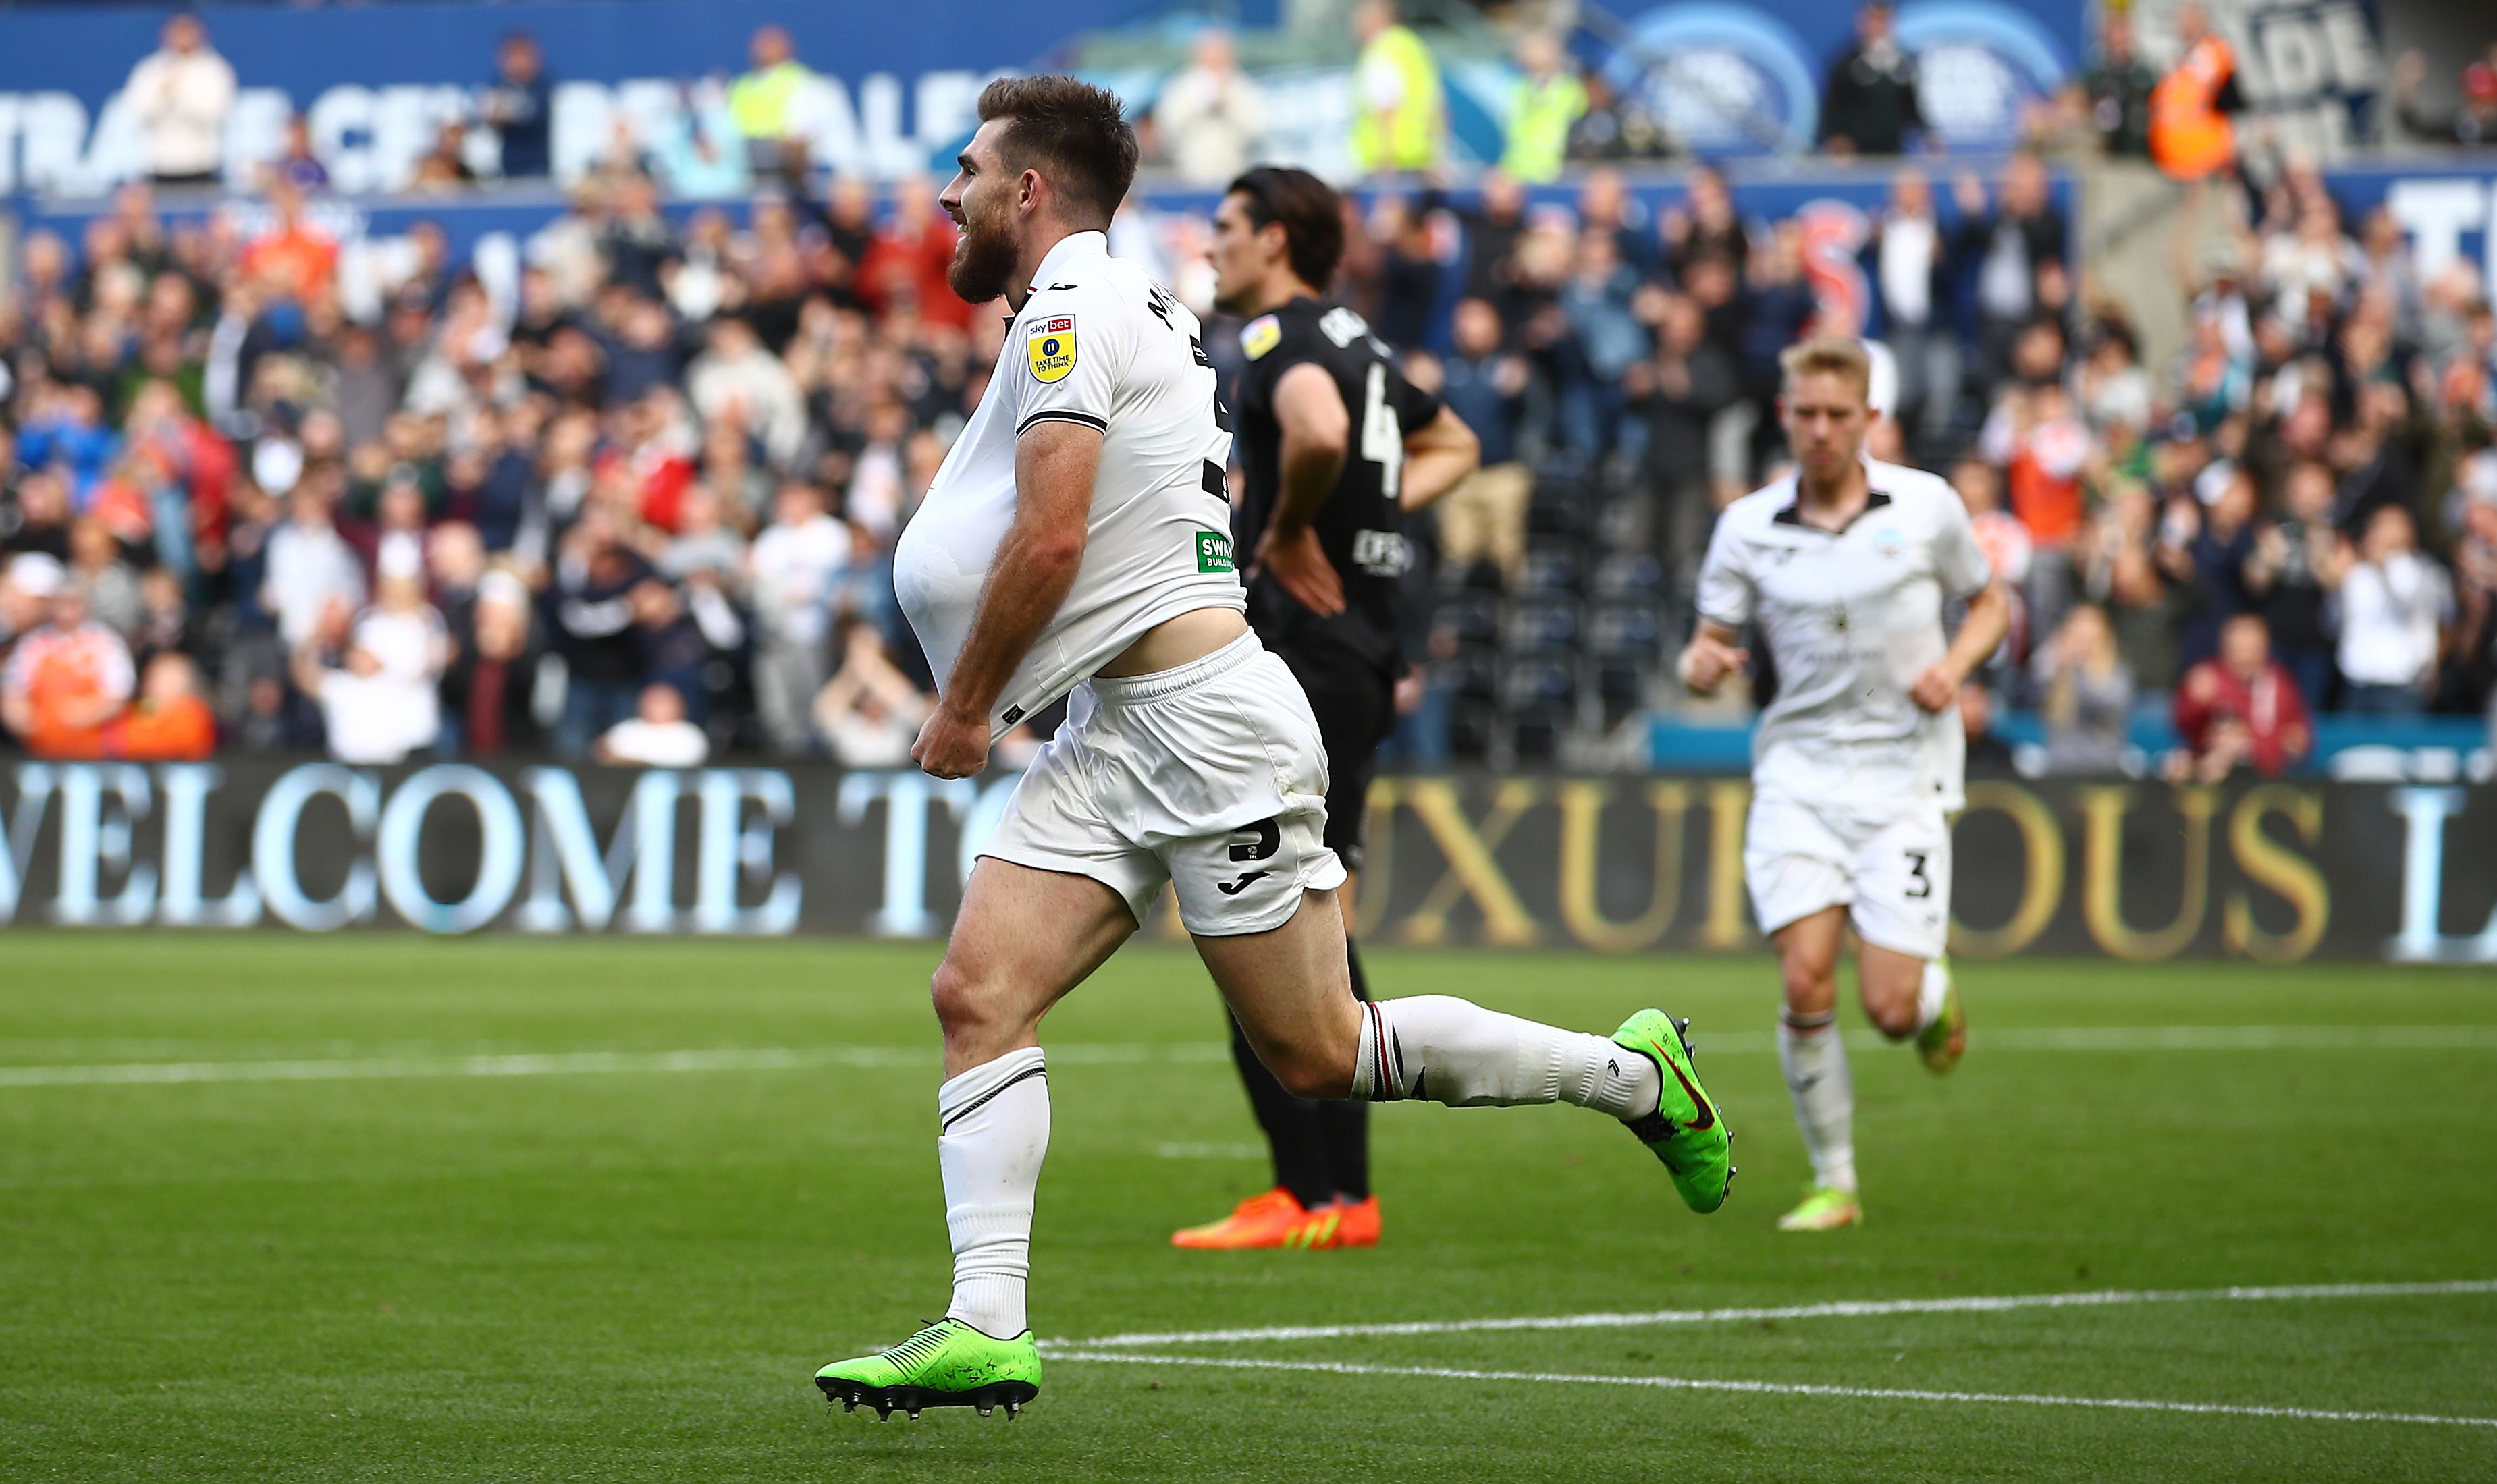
(1052,347)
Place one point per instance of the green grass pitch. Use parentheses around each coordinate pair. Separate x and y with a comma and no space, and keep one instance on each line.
(325,1247)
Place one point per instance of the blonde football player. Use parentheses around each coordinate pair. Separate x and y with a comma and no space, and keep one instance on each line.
(1845,565)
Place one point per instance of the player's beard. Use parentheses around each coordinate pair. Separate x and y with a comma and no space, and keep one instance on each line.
(985,259)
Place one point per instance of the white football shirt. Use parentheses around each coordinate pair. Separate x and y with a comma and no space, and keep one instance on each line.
(1098,343)
(1851,619)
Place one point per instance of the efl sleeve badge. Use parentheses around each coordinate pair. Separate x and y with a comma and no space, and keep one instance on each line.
(1260,335)
(1051,346)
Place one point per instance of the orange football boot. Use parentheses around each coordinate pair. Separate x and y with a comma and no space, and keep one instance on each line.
(1260,1222)
(1341,1224)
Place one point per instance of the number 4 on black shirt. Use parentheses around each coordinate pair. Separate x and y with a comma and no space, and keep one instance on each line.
(1361,526)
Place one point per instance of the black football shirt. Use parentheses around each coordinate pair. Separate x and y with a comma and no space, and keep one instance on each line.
(1361,526)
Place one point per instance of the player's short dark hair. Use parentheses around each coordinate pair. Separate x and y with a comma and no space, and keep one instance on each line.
(1076,135)
(1311,215)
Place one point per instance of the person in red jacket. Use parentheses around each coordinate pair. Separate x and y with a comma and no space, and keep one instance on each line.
(2240,709)
(906,266)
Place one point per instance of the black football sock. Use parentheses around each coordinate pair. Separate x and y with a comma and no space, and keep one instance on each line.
(1292,1124)
(1345,1123)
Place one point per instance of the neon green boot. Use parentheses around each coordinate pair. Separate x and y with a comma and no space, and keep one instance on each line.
(947,1364)
(1825,1210)
(1940,1043)
(1686,1132)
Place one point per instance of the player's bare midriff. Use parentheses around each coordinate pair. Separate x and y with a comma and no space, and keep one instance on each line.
(1175,642)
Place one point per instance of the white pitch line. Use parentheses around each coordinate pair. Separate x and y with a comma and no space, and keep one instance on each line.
(2150,1038)
(1856,1308)
(571,1063)
(2114,1038)
(1780,1388)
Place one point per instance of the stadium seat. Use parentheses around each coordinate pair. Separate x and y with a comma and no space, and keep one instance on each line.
(1632,627)
(1540,678)
(1474,673)
(1552,567)
(1473,726)
(1473,617)
(1535,733)
(1543,624)
(1629,575)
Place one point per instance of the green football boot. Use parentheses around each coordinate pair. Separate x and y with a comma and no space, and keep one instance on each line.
(1825,1210)
(1940,1043)
(1686,1132)
(947,1364)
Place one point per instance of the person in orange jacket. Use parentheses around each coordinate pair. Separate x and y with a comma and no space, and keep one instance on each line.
(2190,136)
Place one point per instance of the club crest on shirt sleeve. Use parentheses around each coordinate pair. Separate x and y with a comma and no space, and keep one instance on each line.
(1260,335)
(1051,346)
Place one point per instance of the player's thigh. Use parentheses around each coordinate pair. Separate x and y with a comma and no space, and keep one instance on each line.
(1022,939)
(1796,865)
(1902,877)
(1808,949)
(1247,834)
(1291,992)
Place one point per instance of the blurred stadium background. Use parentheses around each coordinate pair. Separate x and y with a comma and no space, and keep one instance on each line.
(449,458)
(403,384)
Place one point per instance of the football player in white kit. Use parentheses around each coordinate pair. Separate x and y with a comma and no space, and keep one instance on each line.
(1076,542)
(1856,764)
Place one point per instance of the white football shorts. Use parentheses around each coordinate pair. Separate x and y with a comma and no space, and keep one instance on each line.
(1210,776)
(1891,870)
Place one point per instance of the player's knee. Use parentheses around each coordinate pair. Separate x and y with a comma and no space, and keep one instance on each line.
(1890,1002)
(1316,1068)
(1892,1014)
(1812,989)
(966,1002)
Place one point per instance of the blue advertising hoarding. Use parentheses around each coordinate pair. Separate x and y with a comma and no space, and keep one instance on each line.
(1733,79)
(375,82)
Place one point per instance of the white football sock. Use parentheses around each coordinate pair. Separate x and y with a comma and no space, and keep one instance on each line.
(1449,1051)
(1814,1060)
(995,1131)
(1931,990)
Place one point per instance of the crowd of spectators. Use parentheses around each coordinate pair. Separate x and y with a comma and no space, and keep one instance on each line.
(642,512)
(2308,491)
(1211,118)
(642,507)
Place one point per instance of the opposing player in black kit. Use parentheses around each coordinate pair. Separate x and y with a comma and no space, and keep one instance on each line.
(1336,447)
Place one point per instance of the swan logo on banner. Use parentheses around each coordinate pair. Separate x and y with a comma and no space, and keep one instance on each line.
(1977,67)
(1735,79)
(1722,79)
